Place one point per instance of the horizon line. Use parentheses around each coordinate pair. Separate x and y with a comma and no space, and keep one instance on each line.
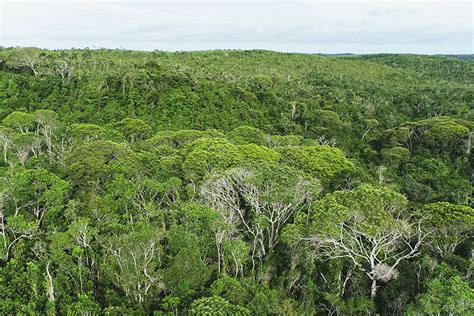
(120,48)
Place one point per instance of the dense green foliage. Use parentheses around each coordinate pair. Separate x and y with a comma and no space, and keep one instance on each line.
(235,182)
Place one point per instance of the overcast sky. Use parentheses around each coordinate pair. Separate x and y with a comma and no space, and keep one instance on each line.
(427,27)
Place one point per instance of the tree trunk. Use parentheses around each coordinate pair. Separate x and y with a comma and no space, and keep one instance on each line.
(373,289)
(50,289)
(5,149)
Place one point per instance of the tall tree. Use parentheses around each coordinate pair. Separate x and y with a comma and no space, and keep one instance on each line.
(368,225)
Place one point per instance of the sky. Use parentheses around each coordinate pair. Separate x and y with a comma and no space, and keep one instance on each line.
(416,26)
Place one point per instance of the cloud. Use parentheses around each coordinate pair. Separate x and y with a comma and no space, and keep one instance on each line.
(391,11)
(357,26)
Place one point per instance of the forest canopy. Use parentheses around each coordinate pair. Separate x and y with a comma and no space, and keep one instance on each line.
(235,183)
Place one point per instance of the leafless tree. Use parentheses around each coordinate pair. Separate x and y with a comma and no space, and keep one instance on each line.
(24,149)
(244,203)
(220,195)
(6,142)
(46,126)
(134,265)
(64,69)
(11,234)
(377,255)
(30,58)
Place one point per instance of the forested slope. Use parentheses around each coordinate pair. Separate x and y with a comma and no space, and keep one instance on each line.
(245,182)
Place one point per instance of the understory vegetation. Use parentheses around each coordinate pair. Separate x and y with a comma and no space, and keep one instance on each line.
(235,183)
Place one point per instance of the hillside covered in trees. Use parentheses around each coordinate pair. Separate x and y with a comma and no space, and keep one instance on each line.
(235,183)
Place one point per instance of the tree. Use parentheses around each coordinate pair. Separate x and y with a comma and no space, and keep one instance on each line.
(14,229)
(230,289)
(207,154)
(20,121)
(179,139)
(186,274)
(286,140)
(396,155)
(25,144)
(47,122)
(443,131)
(82,234)
(85,305)
(133,261)
(247,135)
(133,129)
(93,164)
(64,69)
(369,124)
(446,297)
(38,192)
(71,261)
(21,289)
(33,58)
(216,305)
(252,152)
(444,181)
(322,162)
(205,228)
(6,141)
(451,225)
(88,132)
(262,199)
(368,226)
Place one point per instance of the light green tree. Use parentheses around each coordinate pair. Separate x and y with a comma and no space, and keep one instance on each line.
(133,129)
(450,296)
(450,225)
(20,121)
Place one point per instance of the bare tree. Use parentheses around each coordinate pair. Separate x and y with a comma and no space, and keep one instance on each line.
(6,141)
(16,230)
(46,126)
(26,144)
(133,262)
(378,254)
(64,69)
(61,149)
(220,195)
(241,200)
(32,58)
